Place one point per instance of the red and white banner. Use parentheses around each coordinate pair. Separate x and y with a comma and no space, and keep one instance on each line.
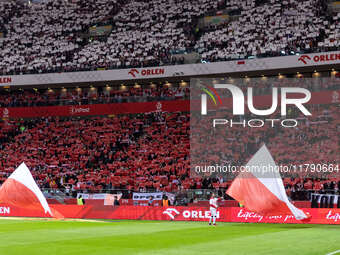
(325,200)
(95,109)
(137,196)
(177,213)
(322,97)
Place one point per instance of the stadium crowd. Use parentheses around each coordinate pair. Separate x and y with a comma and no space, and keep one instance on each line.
(272,29)
(53,36)
(150,151)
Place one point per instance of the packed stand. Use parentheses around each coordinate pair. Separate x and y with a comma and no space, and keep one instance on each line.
(131,152)
(145,33)
(53,36)
(273,29)
(44,36)
(151,152)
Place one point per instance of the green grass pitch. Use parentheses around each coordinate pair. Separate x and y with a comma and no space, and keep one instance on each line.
(42,237)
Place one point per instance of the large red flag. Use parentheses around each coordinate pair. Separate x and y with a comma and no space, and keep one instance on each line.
(260,189)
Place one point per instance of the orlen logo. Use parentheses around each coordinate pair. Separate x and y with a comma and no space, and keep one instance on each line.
(198,214)
(319,58)
(5,210)
(74,110)
(304,58)
(239,102)
(133,72)
(146,72)
(171,212)
(5,79)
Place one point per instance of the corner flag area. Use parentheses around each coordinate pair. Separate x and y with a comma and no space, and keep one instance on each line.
(31,237)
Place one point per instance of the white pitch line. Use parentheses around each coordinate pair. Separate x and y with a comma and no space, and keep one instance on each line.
(334,252)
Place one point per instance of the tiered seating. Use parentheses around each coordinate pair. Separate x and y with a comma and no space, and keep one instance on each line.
(49,36)
(99,153)
(44,36)
(145,33)
(273,29)
(151,152)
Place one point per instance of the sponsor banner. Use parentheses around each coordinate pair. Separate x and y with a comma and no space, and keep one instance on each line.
(146,72)
(322,97)
(325,200)
(95,109)
(319,216)
(178,213)
(5,80)
(83,195)
(171,197)
(92,196)
(108,199)
(98,196)
(145,196)
(274,63)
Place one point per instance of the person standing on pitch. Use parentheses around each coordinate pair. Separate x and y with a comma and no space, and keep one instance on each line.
(213,208)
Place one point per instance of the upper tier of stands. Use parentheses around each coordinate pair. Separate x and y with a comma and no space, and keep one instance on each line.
(51,36)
